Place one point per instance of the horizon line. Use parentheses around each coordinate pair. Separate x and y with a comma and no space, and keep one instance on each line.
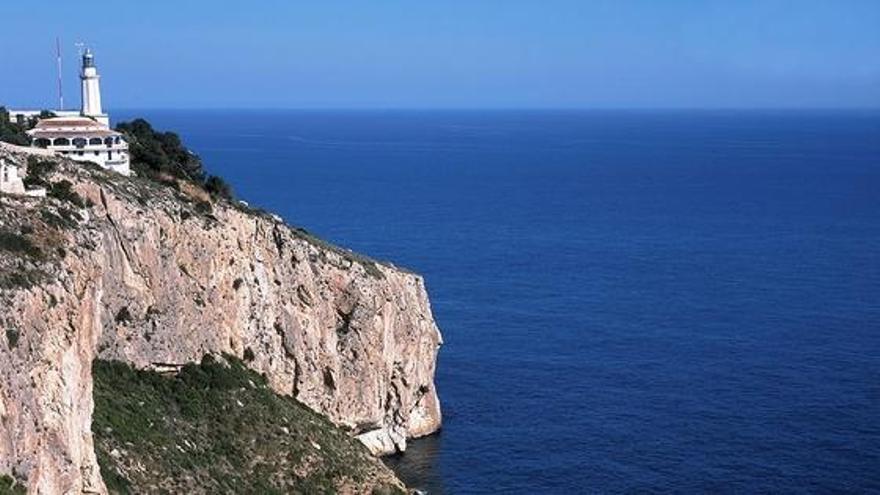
(502,109)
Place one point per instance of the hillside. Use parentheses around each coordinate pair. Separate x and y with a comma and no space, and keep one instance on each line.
(129,270)
(217,427)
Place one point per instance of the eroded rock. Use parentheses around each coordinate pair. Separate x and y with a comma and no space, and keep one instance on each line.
(351,338)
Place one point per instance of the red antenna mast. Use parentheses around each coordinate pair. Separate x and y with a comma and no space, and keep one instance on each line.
(60,88)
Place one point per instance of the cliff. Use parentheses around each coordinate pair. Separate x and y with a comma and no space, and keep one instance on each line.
(124,269)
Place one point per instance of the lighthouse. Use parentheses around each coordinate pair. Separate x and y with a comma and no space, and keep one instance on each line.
(83,136)
(91,90)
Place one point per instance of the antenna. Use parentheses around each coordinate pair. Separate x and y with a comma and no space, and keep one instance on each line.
(60,86)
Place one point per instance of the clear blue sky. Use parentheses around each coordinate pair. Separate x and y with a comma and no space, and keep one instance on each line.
(450,53)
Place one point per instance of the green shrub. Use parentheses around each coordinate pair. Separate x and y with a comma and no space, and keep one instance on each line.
(217,427)
(63,190)
(12,132)
(157,155)
(12,336)
(123,315)
(19,244)
(218,187)
(38,171)
(204,208)
(21,278)
(8,486)
(154,152)
(65,218)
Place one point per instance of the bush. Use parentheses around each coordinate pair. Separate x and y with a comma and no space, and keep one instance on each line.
(217,427)
(18,244)
(123,315)
(63,190)
(21,279)
(153,152)
(37,171)
(12,337)
(12,132)
(65,218)
(8,486)
(218,187)
(159,155)
(204,208)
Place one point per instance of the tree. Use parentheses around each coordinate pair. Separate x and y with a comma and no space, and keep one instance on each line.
(158,155)
(218,187)
(12,132)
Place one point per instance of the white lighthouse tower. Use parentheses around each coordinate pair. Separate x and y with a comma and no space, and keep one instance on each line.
(83,136)
(91,90)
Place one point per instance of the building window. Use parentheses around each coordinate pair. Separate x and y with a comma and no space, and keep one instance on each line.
(95,141)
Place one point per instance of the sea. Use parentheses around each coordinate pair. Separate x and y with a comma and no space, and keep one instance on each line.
(631,301)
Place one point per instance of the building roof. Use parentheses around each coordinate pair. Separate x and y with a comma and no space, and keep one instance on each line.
(52,133)
(70,127)
(68,122)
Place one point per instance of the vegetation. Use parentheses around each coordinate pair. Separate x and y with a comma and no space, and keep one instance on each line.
(8,486)
(218,428)
(124,315)
(12,132)
(21,278)
(12,337)
(370,265)
(163,157)
(37,171)
(32,238)
(18,271)
(216,186)
(63,190)
(38,176)
(63,219)
(18,244)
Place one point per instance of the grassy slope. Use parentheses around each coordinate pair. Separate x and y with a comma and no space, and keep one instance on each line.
(8,486)
(217,428)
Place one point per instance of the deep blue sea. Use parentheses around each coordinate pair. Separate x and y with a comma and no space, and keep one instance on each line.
(632,301)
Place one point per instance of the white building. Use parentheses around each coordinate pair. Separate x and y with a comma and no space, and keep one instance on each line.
(82,139)
(83,135)
(11,180)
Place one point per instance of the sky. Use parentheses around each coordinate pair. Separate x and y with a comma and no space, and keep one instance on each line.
(448,54)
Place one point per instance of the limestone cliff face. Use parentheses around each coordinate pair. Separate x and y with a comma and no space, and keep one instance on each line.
(156,278)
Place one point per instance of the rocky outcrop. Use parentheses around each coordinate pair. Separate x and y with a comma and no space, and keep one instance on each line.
(158,277)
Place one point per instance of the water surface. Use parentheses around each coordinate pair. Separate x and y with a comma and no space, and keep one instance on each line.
(631,301)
